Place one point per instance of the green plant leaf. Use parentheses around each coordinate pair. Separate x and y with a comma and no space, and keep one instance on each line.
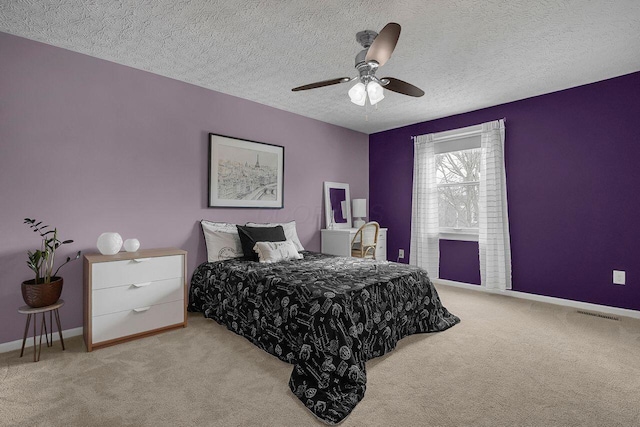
(42,260)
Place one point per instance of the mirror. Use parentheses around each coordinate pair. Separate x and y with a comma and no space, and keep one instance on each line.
(337,205)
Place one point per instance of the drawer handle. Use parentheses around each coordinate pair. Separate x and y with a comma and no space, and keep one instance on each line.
(141,259)
(141,309)
(140,285)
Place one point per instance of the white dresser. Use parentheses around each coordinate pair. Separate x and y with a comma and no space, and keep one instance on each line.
(338,242)
(130,295)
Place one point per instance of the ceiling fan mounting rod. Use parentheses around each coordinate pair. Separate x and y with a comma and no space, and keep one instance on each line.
(361,59)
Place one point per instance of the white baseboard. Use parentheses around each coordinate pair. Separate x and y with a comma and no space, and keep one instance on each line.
(541,298)
(17,344)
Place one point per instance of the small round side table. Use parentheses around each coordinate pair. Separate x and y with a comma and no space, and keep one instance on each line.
(30,311)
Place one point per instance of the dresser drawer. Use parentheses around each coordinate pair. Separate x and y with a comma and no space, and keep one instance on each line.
(381,249)
(382,241)
(128,297)
(138,270)
(129,322)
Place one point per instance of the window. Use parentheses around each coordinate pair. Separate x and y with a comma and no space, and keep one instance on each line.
(458,181)
(459,192)
(458,177)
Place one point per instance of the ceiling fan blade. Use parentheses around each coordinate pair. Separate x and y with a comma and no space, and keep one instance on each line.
(397,85)
(383,45)
(322,84)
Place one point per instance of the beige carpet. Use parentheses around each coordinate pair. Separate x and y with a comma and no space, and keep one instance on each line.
(509,363)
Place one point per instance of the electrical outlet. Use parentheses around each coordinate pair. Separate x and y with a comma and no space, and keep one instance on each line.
(619,277)
(401,253)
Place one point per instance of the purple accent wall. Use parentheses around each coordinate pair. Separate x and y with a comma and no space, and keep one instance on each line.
(90,146)
(451,267)
(572,183)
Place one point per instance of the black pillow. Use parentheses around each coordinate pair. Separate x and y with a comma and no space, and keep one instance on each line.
(250,235)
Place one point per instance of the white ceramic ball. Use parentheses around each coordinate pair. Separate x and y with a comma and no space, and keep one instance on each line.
(131,245)
(109,243)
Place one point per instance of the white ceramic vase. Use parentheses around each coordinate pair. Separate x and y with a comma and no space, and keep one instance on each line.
(131,245)
(109,243)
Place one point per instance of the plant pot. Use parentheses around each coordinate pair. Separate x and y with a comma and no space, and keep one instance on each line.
(41,294)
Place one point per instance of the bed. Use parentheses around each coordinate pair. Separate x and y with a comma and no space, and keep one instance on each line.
(326,315)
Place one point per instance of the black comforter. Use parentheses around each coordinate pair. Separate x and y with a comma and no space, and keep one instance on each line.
(326,315)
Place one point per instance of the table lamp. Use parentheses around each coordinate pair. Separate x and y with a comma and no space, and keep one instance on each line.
(359,212)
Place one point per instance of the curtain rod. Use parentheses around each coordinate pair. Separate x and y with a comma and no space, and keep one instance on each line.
(504,119)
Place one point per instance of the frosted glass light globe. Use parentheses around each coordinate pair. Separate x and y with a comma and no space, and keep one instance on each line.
(131,245)
(358,94)
(375,91)
(109,243)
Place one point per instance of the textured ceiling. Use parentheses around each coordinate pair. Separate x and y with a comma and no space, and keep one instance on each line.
(464,54)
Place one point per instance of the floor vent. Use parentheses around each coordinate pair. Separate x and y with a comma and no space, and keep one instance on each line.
(604,316)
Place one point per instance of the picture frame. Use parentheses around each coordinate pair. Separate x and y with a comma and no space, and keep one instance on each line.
(245,174)
(337,205)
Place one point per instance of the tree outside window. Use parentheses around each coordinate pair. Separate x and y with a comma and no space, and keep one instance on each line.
(458,178)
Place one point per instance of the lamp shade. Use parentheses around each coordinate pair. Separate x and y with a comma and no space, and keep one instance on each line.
(358,94)
(359,208)
(375,91)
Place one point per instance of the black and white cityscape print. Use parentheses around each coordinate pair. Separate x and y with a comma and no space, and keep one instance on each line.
(245,174)
(325,315)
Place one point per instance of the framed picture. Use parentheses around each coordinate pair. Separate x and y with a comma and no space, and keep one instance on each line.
(245,174)
(337,205)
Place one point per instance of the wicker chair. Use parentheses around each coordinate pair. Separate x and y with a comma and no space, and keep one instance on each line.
(365,241)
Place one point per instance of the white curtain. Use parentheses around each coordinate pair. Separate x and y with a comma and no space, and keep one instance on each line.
(493,221)
(425,246)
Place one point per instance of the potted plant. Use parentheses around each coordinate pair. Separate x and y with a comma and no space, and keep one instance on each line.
(46,288)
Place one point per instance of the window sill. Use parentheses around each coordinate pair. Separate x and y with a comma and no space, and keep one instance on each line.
(468,237)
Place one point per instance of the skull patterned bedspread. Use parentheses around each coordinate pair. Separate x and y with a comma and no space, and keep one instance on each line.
(326,315)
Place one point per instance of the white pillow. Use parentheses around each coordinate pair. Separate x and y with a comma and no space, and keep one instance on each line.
(276,251)
(290,232)
(222,240)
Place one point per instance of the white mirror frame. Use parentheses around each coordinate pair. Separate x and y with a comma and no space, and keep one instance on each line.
(327,205)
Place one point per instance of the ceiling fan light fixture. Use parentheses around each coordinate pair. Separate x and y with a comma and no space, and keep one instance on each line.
(375,91)
(358,94)
(378,48)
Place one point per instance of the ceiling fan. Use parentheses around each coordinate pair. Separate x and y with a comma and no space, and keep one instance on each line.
(377,51)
